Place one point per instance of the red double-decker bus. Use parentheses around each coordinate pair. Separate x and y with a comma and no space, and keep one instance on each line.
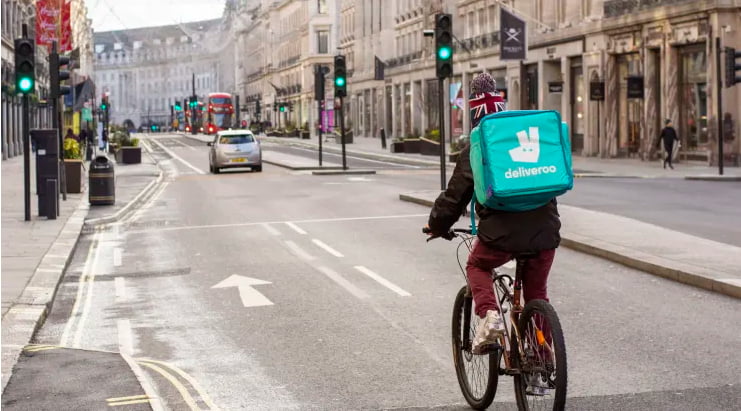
(219,112)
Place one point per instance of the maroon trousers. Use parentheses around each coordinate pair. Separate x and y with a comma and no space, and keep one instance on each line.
(484,259)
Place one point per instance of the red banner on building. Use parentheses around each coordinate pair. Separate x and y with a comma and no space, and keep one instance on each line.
(66,28)
(48,13)
(54,23)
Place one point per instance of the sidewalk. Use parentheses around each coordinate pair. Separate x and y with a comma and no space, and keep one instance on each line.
(666,253)
(35,254)
(584,167)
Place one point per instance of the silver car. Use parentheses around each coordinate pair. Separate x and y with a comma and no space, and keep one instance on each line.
(234,148)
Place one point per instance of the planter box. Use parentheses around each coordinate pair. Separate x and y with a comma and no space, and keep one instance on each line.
(348,138)
(305,135)
(429,147)
(397,147)
(129,155)
(73,175)
(412,145)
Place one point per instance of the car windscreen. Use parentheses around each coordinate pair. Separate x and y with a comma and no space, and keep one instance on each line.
(237,139)
(221,100)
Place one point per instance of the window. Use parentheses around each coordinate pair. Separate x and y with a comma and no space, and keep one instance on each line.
(322,6)
(322,40)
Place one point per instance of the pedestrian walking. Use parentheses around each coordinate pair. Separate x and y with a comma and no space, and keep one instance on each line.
(668,136)
(71,135)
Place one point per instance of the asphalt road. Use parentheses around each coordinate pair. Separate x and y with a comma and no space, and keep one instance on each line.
(343,305)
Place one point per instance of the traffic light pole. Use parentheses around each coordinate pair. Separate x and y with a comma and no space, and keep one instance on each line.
(194,100)
(441,103)
(26,158)
(319,105)
(720,106)
(342,133)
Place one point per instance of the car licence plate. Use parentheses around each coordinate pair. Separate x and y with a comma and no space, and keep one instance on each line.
(239,160)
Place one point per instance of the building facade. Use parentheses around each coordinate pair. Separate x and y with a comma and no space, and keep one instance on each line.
(14,15)
(144,71)
(655,59)
(664,48)
(278,45)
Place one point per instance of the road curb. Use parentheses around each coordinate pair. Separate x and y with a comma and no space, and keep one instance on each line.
(342,172)
(610,252)
(24,318)
(300,168)
(714,178)
(359,154)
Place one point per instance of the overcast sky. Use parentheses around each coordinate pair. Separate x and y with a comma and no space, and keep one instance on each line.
(128,14)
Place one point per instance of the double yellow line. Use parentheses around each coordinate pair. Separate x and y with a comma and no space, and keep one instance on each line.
(39,347)
(167,371)
(134,399)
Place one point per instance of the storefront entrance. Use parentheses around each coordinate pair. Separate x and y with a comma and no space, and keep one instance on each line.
(693,108)
(630,110)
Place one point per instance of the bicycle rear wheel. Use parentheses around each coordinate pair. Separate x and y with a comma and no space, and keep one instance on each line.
(545,359)
(478,375)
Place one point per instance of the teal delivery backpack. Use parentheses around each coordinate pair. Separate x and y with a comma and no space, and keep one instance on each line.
(520,159)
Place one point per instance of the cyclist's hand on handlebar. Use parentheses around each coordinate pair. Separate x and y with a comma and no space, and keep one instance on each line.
(448,236)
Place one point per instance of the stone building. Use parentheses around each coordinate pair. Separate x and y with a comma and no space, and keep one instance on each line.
(668,46)
(144,71)
(278,45)
(14,14)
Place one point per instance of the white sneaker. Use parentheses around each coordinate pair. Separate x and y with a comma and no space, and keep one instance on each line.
(488,331)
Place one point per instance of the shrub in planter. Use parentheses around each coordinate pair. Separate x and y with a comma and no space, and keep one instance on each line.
(129,152)
(72,166)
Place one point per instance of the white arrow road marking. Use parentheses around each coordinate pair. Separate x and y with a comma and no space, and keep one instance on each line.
(250,296)
(384,282)
(120,287)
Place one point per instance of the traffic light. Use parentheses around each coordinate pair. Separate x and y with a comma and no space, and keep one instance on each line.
(733,68)
(257,107)
(104,104)
(443,45)
(290,107)
(275,106)
(25,76)
(282,108)
(57,75)
(340,76)
(178,107)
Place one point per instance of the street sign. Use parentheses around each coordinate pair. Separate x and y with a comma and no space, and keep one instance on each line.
(555,87)
(635,87)
(250,297)
(512,35)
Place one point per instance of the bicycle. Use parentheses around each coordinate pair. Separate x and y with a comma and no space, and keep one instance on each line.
(532,349)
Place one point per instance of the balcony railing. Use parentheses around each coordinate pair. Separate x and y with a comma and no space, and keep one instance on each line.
(617,8)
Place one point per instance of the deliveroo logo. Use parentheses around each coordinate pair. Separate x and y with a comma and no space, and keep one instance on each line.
(529,149)
(527,152)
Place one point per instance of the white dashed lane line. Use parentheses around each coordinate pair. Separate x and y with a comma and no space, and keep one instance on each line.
(270,229)
(295,228)
(327,248)
(384,282)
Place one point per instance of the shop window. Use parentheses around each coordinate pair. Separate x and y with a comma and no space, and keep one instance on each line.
(693,97)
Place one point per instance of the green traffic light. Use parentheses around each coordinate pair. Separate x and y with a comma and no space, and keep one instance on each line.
(444,53)
(339,81)
(103,106)
(282,109)
(25,84)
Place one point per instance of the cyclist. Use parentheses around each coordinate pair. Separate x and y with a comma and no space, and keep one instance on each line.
(501,234)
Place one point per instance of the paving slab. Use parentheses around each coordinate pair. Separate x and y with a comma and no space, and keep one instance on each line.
(656,250)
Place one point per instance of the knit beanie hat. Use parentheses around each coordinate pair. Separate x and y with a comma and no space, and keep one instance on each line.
(483,83)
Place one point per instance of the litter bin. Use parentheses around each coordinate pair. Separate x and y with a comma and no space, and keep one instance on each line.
(102,186)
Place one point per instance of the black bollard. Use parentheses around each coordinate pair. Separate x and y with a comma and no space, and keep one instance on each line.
(383,138)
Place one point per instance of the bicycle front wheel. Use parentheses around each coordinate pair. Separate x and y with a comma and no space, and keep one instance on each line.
(541,384)
(478,375)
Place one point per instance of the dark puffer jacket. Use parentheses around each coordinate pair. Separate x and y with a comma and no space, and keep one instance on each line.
(533,230)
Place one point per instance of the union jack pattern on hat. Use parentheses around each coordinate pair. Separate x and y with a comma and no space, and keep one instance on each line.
(483,104)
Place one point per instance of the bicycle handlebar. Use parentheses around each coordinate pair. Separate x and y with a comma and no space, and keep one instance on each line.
(450,235)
